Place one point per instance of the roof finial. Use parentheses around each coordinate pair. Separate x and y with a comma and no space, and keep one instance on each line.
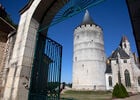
(124,38)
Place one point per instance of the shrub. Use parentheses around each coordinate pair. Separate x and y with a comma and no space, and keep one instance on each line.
(119,91)
(124,90)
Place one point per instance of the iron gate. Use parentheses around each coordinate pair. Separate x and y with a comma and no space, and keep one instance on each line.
(46,71)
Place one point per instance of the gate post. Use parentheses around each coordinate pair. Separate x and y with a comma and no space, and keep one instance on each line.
(21,61)
(22,57)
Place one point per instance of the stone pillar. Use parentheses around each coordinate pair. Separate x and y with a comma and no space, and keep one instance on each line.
(3,40)
(36,12)
(6,58)
(23,52)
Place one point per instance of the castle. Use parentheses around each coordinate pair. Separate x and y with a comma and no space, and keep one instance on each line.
(92,70)
(89,56)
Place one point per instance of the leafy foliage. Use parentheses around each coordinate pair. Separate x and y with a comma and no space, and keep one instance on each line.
(69,85)
(53,85)
(124,90)
(119,91)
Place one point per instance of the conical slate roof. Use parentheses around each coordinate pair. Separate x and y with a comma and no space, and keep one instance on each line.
(87,19)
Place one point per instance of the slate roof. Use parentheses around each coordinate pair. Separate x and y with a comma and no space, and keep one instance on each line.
(108,68)
(87,19)
(121,52)
(5,26)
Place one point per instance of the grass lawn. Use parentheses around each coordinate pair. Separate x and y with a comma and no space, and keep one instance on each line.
(86,95)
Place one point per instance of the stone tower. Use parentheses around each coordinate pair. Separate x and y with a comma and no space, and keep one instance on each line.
(88,56)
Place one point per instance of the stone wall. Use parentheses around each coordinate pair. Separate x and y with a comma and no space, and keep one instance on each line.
(7,52)
(116,66)
(3,40)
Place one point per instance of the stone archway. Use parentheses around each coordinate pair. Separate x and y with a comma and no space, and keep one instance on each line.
(37,13)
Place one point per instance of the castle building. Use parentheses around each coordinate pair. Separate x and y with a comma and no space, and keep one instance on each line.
(92,70)
(123,67)
(89,60)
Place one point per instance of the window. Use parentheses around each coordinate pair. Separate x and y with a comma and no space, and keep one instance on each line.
(125,45)
(117,61)
(124,61)
(94,87)
(87,71)
(75,58)
(110,80)
(103,58)
(127,78)
(139,80)
(77,37)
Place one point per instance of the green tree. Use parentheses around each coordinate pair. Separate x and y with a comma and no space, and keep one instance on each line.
(119,91)
(124,90)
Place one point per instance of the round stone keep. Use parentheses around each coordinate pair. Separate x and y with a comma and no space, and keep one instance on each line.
(88,56)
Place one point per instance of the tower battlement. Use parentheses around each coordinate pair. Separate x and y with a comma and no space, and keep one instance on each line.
(88,26)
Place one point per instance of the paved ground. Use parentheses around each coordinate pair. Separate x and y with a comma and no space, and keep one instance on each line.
(136,97)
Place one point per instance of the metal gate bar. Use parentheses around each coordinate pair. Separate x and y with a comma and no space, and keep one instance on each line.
(71,8)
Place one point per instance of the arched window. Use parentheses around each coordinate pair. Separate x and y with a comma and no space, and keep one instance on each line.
(127,78)
(139,80)
(110,80)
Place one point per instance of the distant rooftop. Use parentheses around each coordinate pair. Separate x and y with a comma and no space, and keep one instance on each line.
(6,24)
